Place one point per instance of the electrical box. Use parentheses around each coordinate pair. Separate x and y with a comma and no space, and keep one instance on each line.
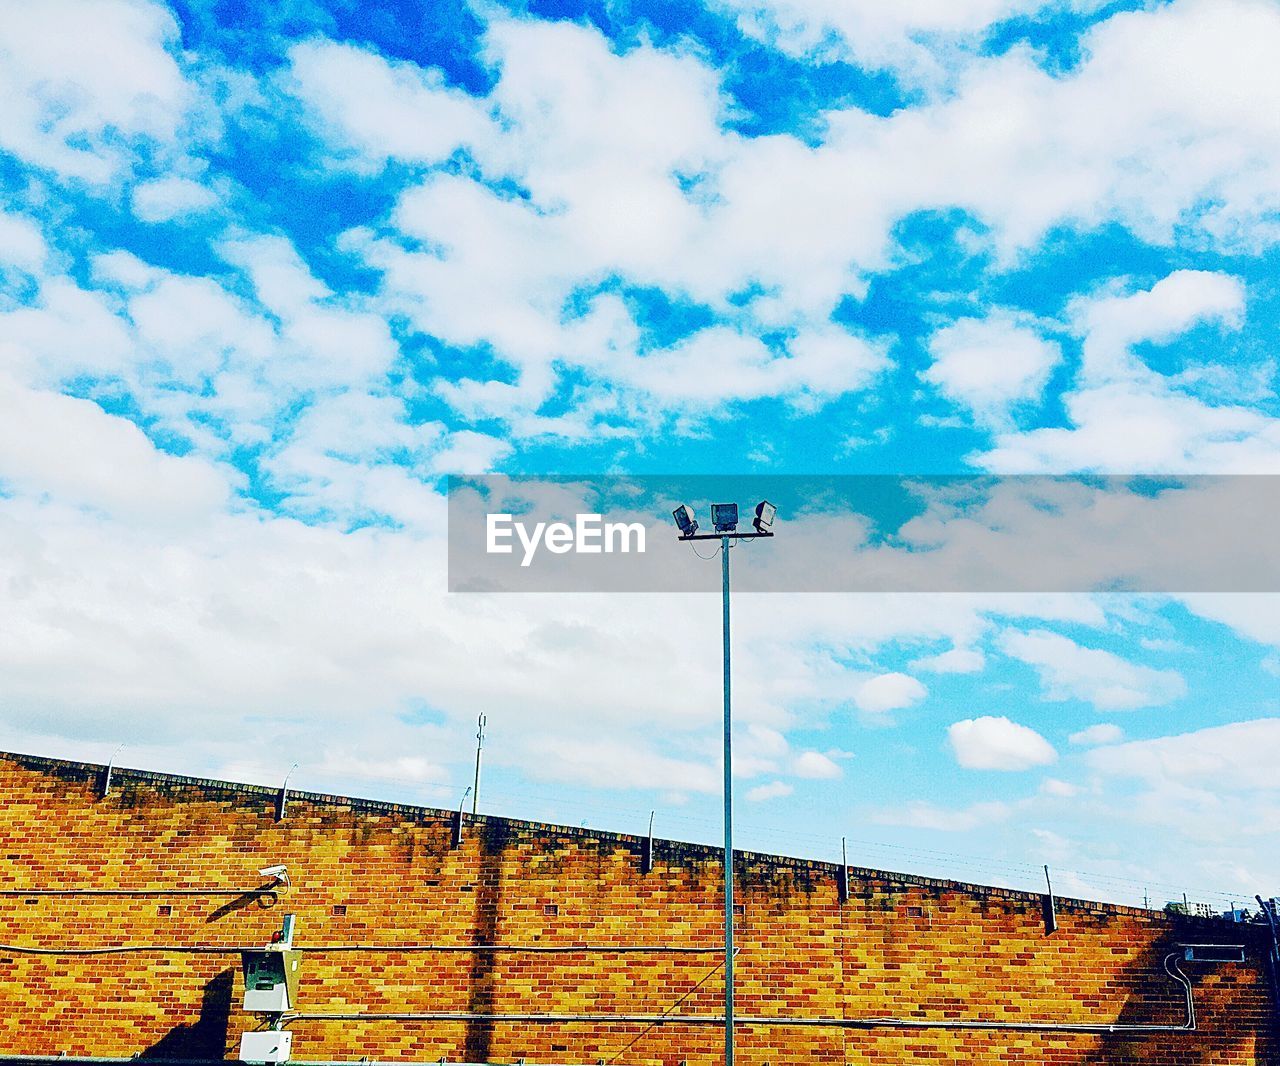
(269,1046)
(270,980)
(1212,952)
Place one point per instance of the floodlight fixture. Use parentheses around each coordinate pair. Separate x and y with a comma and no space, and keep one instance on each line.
(685,521)
(724,516)
(765,514)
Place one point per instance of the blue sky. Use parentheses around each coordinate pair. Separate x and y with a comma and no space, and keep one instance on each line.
(267,279)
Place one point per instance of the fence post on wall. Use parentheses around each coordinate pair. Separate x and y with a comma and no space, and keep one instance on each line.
(842,881)
(457,819)
(282,800)
(1050,907)
(1273,956)
(106,776)
(646,849)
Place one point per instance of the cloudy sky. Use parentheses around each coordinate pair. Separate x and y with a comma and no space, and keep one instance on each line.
(266,280)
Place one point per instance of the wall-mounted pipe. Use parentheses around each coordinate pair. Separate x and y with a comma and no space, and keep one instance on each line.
(538,949)
(127,949)
(394,949)
(258,890)
(132,1060)
(1170,966)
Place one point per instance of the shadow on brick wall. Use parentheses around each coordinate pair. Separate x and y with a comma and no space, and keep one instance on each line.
(1236,1021)
(254,897)
(483,979)
(205,1038)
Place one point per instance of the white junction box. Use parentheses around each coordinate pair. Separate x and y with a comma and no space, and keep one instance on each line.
(266,1046)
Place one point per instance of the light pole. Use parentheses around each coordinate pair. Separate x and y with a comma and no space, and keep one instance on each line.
(724,517)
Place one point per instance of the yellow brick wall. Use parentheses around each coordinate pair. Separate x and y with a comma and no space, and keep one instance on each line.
(385,875)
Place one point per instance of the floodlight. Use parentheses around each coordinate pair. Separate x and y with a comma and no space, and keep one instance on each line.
(685,521)
(724,516)
(765,512)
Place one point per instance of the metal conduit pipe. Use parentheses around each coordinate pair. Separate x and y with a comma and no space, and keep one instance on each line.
(132,1060)
(392,949)
(127,949)
(257,890)
(1170,967)
(539,949)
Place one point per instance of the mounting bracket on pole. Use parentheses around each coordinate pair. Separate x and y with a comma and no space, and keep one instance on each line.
(842,879)
(646,849)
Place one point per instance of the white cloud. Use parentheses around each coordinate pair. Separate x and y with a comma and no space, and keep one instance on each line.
(1053,846)
(889,692)
(166,199)
(1230,758)
(628,173)
(613,763)
(63,333)
(720,365)
(191,637)
(1052,786)
(1097,735)
(1112,323)
(1125,416)
(919,814)
(815,765)
(771,791)
(293,370)
(906,36)
(600,140)
(74,451)
(1194,783)
(990,364)
(80,78)
(952,661)
(372,108)
(1069,671)
(22,244)
(399,769)
(467,452)
(1249,613)
(996,743)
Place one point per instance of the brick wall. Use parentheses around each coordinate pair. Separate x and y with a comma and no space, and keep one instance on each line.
(380,874)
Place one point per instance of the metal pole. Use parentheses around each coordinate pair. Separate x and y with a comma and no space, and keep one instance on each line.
(728,821)
(475,791)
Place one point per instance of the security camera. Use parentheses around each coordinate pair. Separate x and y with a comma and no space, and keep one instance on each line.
(280,873)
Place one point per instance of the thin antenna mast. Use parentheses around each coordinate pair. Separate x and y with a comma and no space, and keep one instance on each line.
(481,722)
